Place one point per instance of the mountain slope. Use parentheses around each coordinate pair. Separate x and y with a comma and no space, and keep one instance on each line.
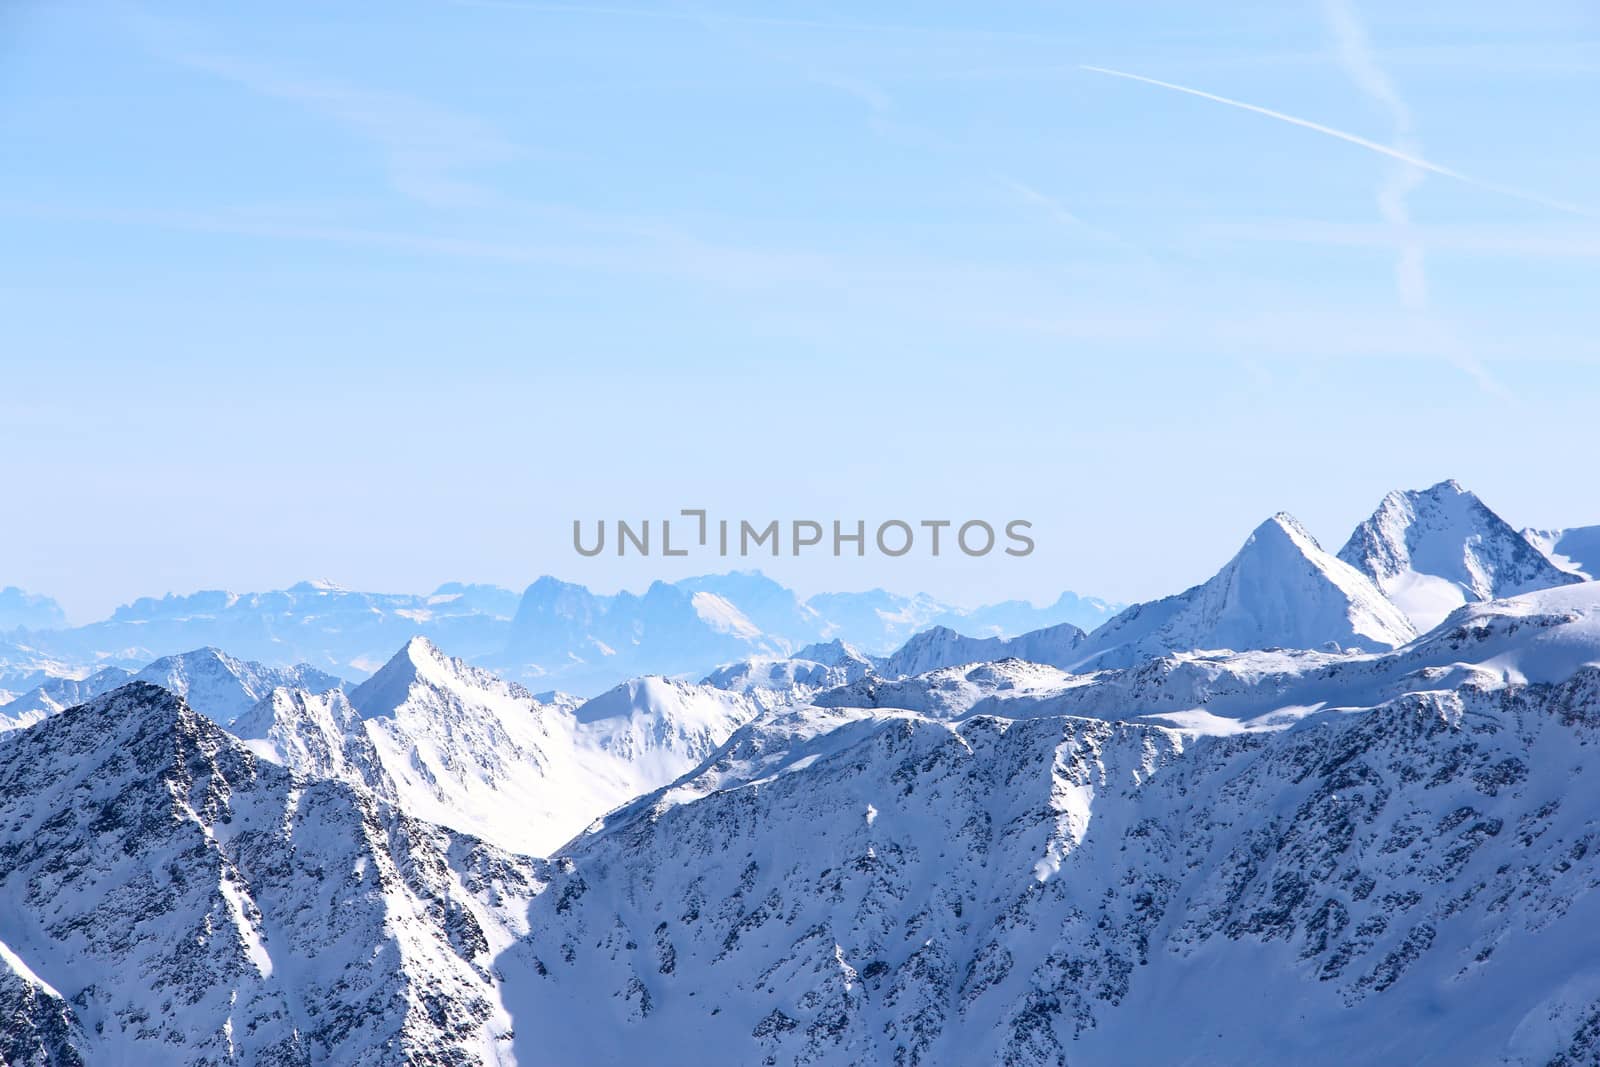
(1280,590)
(465,749)
(190,904)
(773,680)
(211,681)
(1540,637)
(1434,549)
(316,734)
(221,687)
(1038,891)
(56,694)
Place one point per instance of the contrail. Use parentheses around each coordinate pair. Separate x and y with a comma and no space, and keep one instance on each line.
(1371,146)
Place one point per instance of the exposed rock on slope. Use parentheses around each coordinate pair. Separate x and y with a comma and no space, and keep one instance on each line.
(192,904)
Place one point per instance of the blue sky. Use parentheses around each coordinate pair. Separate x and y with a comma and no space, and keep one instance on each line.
(392,294)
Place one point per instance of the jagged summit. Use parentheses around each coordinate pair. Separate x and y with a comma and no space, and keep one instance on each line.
(941,646)
(832,653)
(1434,549)
(1280,590)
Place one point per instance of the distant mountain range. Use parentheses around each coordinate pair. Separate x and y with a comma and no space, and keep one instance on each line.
(554,635)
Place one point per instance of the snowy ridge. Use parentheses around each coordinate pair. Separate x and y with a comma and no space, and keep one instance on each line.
(1541,637)
(1576,550)
(57,694)
(213,682)
(222,687)
(317,734)
(943,647)
(776,680)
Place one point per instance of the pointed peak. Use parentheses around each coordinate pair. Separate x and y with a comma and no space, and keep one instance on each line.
(1284,527)
(417,658)
(422,664)
(421,650)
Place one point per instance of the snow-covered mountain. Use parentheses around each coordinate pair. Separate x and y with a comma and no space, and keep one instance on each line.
(781,679)
(943,647)
(55,694)
(777,681)
(554,635)
(221,687)
(567,636)
(1280,591)
(214,683)
(1259,821)
(1575,550)
(166,897)
(1434,549)
(845,885)
(1541,637)
(317,734)
(464,748)
(23,667)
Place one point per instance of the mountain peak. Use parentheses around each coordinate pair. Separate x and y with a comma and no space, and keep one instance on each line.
(1281,589)
(420,665)
(1434,549)
(1285,527)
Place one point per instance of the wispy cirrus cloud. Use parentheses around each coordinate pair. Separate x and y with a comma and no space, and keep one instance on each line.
(430,153)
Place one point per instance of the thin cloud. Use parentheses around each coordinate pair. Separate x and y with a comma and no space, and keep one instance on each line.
(429,152)
(1360,63)
(1363,142)
(1058,212)
(1050,204)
